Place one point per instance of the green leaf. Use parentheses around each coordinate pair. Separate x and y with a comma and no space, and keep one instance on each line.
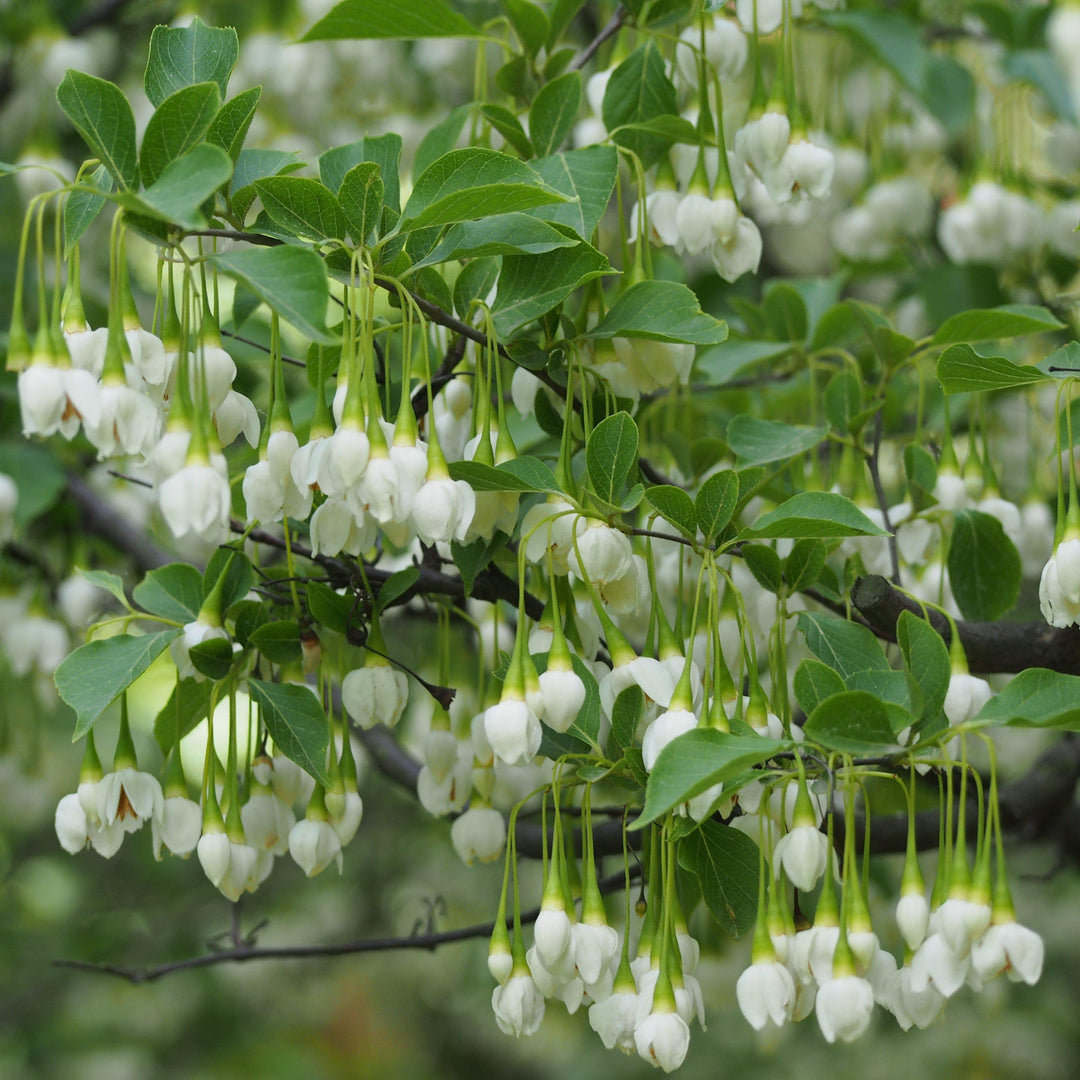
(1036,67)
(302,207)
(995,324)
(675,506)
(639,90)
(247,617)
(184,185)
(473,183)
(804,563)
(984,566)
(722,362)
(172,592)
(192,54)
(329,608)
(813,513)
(716,502)
(697,760)
(853,722)
(926,661)
(727,863)
(291,280)
(212,658)
(442,138)
(102,116)
(1036,697)
(764,563)
(179,124)
(892,687)
(960,370)
(253,165)
(757,441)
(37,474)
(531,285)
(278,641)
(920,467)
(503,234)
(82,207)
(367,19)
(509,127)
(476,280)
(896,42)
(384,150)
(361,198)
(230,126)
(625,717)
(522,474)
(471,559)
(192,708)
(92,677)
(611,454)
(553,112)
(814,682)
(672,129)
(111,583)
(845,646)
(843,400)
(529,23)
(586,178)
(660,311)
(296,722)
(785,312)
(240,575)
(397,585)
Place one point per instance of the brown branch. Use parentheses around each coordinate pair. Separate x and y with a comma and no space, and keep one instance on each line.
(244,953)
(101,519)
(613,26)
(1032,807)
(990,647)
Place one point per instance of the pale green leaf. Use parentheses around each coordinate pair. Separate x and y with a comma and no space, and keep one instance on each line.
(291,280)
(183,56)
(92,677)
(296,722)
(102,116)
(660,311)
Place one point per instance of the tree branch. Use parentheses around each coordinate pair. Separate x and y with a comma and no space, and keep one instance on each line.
(990,647)
(244,953)
(613,26)
(99,518)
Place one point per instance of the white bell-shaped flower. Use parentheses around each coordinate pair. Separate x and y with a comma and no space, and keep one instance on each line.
(179,828)
(667,727)
(313,845)
(518,1005)
(766,992)
(478,835)
(375,694)
(844,1007)
(443,510)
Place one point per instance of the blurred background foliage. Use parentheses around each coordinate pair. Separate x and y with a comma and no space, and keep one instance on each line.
(402,1013)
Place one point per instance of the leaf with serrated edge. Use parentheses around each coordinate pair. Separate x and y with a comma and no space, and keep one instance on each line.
(296,722)
(727,864)
(697,760)
(291,280)
(92,677)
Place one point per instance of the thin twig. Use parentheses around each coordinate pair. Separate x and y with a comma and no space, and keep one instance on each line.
(264,348)
(613,26)
(428,942)
(883,504)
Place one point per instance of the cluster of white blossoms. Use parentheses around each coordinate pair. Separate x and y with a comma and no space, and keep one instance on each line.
(242,821)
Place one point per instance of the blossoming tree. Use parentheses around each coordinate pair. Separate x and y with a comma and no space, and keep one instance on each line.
(698,390)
